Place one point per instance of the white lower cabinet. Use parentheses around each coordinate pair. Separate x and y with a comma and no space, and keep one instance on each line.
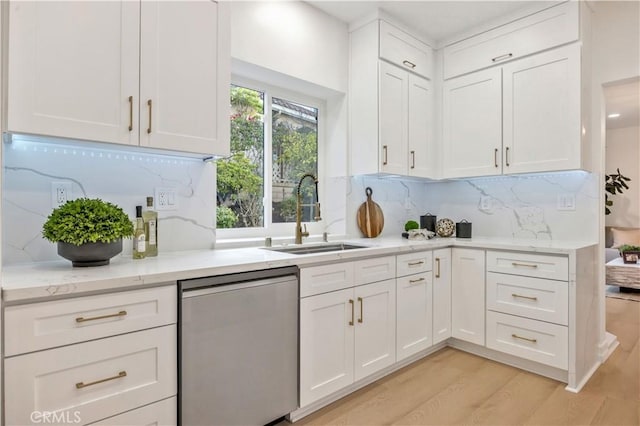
(92,380)
(414,321)
(441,295)
(468,295)
(345,335)
(161,413)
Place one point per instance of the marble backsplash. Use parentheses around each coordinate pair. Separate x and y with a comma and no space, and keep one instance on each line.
(523,207)
(120,176)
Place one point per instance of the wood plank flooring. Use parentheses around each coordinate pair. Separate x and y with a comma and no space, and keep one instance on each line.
(453,387)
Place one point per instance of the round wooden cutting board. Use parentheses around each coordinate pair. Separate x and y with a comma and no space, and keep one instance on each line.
(370,217)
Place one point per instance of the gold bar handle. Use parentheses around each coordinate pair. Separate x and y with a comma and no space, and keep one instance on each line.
(361,309)
(506,155)
(419,280)
(526,265)
(502,57)
(524,297)
(150,108)
(408,64)
(437,267)
(515,336)
(130,113)
(416,263)
(495,157)
(384,151)
(120,375)
(353,314)
(413,159)
(119,314)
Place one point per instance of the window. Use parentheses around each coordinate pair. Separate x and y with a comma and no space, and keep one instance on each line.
(257,191)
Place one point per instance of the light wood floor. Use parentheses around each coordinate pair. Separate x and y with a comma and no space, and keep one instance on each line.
(453,387)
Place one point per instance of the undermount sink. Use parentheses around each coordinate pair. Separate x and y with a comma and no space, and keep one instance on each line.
(312,249)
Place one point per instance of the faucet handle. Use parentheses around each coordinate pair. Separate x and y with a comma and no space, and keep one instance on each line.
(317,217)
(305,233)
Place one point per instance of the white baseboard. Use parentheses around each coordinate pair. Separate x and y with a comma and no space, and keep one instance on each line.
(607,346)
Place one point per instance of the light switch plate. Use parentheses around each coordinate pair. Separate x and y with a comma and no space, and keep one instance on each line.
(566,202)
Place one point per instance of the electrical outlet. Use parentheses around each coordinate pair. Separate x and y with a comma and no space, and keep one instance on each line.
(60,193)
(485,203)
(566,202)
(165,199)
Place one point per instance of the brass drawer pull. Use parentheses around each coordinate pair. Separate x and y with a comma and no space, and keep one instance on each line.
(130,113)
(515,336)
(119,314)
(526,265)
(408,64)
(416,263)
(495,157)
(150,108)
(502,57)
(353,315)
(384,151)
(419,280)
(120,375)
(413,159)
(524,297)
(437,267)
(361,309)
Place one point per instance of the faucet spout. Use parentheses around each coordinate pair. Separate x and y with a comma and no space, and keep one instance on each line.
(299,232)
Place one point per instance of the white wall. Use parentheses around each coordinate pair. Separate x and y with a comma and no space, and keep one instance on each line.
(291,38)
(623,152)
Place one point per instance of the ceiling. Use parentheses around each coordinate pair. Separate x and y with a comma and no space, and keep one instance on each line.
(624,99)
(436,20)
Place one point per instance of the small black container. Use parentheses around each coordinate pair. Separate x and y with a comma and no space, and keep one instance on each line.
(463,229)
(428,222)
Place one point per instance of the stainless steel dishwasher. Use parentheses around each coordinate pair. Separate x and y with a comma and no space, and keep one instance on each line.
(239,348)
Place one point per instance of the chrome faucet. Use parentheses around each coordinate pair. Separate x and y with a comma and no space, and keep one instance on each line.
(299,232)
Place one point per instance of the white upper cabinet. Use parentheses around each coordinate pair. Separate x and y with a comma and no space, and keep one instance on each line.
(183,91)
(472,130)
(72,68)
(543,30)
(391,103)
(154,74)
(541,112)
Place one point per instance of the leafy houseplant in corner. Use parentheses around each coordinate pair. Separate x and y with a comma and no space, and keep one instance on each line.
(89,232)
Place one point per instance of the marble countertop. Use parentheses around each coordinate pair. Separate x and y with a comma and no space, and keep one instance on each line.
(40,281)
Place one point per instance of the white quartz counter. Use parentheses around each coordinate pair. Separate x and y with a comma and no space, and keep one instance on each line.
(39,281)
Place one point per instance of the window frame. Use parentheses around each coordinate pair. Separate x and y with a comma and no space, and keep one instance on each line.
(270,229)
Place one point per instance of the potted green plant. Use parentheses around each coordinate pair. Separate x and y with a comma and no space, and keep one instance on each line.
(615,183)
(88,232)
(629,253)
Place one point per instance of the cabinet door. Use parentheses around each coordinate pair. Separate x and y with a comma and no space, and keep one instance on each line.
(393,108)
(180,83)
(542,112)
(375,339)
(472,125)
(421,146)
(441,295)
(468,294)
(327,323)
(72,69)
(414,321)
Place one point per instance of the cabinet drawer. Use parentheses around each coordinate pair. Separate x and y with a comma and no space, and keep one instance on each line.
(534,340)
(535,298)
(540,31)
(93,380)
(414,263)
(373,270)
(46,325)
(161,413)
(529,265)
(325,278)
(404,50)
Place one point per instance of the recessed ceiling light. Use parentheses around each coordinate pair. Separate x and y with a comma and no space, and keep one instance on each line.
(615,115)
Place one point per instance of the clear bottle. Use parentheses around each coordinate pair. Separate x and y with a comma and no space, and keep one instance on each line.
(150,218)
(139,237)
